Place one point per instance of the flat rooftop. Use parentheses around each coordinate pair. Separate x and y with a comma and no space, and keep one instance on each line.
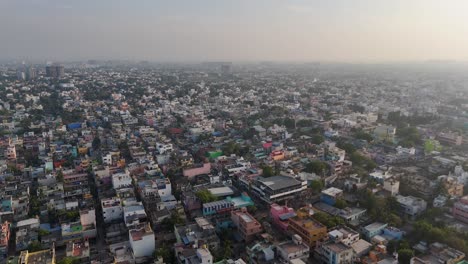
(332,191)
(221,191)
(291,247)
(279,182)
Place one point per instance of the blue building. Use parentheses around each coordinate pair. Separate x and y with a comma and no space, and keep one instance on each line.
(330,195)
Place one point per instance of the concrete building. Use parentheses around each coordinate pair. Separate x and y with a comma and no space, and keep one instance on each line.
(373,229)
(411,206)
(54,71)
(38,257)
(330,195)
(111,209)
(338,250)
(121,180)
(280,215)
(460,209)
(4,240)
(308,228)
(295,249)
(277,188)
(196,170)
(392,186)
(142,242)
(450,138)
(246,224)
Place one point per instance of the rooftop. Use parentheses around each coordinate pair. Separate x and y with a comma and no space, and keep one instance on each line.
(332,191)
(375,226)
(278,182)
(138,233)
(291,247)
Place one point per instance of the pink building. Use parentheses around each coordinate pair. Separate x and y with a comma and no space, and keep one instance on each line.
(280,215)
(460,209)
(204,168)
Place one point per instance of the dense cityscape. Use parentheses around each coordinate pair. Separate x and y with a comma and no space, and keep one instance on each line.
(220,162)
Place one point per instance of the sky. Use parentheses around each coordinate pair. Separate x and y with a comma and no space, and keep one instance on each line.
(235,30)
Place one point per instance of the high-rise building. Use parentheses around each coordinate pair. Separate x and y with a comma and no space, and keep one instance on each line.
(20,75)
(26,73)
(54,71)
(30,73)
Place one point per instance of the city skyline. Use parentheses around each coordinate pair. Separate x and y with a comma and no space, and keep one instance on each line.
(337,31)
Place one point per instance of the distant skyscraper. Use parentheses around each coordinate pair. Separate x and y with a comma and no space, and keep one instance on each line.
(30,73)
(226,68)
(20,75)
(54,71)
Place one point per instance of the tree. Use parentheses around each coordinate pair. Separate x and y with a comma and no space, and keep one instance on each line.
(125,150)
(363,135)
(328,220)
(289,123)
(316,186)
(206,196)
(231,148)
(362,161)
(252,209)
(34,246)
(96,143)
(317,167)
(267,171)
(317,139)
(405,255)
(69,260)
(348,147)
(166,253)
(340,203)
(59,176)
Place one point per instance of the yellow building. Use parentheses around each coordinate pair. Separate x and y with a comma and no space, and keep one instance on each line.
(308,228)
(39,257)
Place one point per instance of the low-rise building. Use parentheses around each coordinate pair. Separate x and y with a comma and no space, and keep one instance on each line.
(411,206)
(460,209)
(142,242)
(38,257)
(277,188)
(246,224)
(308,228)
(295,249)
(78,250)
(280,215)
(338,247)
(330,195)
(373,229)
(111,209)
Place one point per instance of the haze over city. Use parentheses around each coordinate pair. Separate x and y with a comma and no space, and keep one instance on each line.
(243,30)
(233,132)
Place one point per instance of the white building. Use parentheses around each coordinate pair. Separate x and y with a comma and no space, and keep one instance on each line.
(111,209)
(295,249)
(121,180)
(392,186)
(405,151)
(163,148)
(133,214)
(142,242)
(411,206)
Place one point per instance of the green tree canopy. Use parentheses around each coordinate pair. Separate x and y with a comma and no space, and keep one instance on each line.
(316,186)
(206,196)
(405,255)
(340,203)
(317,167)
(268,171)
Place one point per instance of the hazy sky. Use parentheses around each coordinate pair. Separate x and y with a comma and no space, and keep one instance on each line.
(237,30)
